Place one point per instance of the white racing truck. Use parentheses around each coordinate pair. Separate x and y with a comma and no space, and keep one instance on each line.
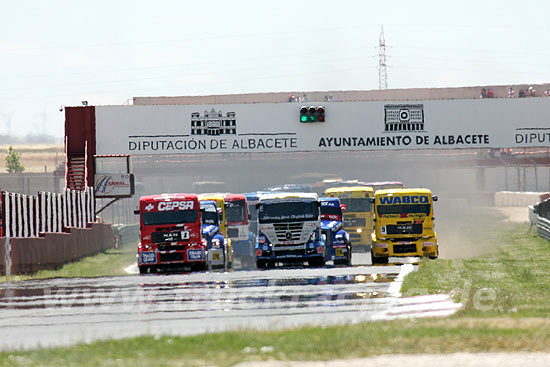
(289,230)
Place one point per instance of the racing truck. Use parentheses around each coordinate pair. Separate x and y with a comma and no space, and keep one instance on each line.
(216,244)
(289,230)
(219,199)
(337,243)
(238,231)
(404,225)
(170,227)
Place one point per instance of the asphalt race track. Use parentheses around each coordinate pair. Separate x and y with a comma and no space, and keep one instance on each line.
(65,311)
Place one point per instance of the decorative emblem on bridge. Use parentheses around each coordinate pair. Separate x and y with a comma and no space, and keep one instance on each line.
(403,117)
(213,123)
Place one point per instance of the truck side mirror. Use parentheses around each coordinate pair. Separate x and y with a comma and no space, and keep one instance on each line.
(343,207)
(136,211)
(372,200)
(434,198)
(257,206)
(249,216)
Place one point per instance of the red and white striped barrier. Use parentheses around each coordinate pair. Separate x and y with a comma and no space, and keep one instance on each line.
(28,216)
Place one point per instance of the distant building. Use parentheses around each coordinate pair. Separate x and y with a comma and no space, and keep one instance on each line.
(213,123)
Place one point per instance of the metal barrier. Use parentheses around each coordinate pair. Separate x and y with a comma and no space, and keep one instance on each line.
(543,228)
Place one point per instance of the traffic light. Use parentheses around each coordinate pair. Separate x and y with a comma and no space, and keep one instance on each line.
(312,114)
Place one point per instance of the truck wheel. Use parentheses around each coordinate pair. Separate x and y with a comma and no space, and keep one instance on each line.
(144,269)
(378,260)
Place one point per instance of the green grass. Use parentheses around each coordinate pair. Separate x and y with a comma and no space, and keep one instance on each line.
(312,344)
(511,282)
(109,263)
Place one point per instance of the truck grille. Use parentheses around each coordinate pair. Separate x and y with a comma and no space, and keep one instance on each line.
(354,222)
(232,232)
(170,247)
(288,231)
(405,228)
(290,252)
(403,249)
(355,236)
(175,256)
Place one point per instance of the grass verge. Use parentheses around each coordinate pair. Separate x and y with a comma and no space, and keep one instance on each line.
(109,263)
(311,344)
(511,282)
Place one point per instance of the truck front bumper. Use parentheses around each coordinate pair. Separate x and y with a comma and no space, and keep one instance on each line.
(422,247)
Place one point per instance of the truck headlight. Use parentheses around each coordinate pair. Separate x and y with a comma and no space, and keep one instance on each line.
(359,230)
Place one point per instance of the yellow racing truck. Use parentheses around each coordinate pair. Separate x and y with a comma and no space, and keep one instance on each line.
(404,225)
(358,213)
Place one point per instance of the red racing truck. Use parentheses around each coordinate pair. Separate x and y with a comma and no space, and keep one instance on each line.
(170,227)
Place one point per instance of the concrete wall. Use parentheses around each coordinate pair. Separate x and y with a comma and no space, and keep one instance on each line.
(500,91)
(506,198)
(29,255)
(31,183)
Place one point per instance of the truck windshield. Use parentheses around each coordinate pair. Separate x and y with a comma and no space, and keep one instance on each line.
(210,217)
(170,217)
(331,210)
(404,209)
(234,211)
(357,205)
(288,211)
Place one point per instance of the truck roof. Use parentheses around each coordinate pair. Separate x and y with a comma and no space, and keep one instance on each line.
(169,197)
(325,198)
(289,195)
(334,190)
(403,191)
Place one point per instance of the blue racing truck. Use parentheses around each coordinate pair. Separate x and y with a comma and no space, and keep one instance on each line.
(337,243)
(216,244)
(289,230)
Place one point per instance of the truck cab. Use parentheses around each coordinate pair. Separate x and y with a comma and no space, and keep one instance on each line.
(238,229)
(219,199)
(170,230)
(358,220)
(216,244)
(404,225)
(337,241)
(289,230)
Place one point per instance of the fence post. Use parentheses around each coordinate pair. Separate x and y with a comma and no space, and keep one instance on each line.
(7,253)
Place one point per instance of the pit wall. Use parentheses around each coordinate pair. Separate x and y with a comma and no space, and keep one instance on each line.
(52,250)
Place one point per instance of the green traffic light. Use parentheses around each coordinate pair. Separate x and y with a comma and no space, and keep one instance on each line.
(312,118)
(303,118)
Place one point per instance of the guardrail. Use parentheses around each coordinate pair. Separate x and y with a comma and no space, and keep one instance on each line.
(543,228)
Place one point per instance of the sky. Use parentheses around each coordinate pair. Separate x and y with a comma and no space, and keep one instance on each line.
(58,53)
